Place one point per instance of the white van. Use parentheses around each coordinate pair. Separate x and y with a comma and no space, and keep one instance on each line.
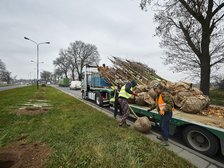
(75,85)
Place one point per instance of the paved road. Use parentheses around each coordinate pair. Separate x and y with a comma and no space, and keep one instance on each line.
(11,87)
(176,145)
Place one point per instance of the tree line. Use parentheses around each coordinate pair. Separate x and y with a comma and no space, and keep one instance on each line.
(5,75)
(73,59)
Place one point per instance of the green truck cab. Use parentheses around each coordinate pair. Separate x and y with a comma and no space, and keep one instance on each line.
(64,82)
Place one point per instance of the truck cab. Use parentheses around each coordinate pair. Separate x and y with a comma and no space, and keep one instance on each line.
(95,87)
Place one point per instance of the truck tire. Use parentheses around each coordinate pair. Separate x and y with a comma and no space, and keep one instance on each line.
(201,140)
(99,99)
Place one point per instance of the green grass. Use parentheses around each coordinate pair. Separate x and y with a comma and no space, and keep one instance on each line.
(3,85)
(217,97)
(79,135)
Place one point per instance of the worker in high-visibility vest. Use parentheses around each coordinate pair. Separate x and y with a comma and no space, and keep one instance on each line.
(165,107)
(114,99)
(125,93)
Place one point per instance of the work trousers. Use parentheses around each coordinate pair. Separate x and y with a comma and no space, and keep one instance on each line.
(125,109)
(164,124)
(117,107)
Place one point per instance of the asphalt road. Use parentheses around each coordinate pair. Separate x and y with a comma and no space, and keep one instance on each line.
(11,87)
(177,138)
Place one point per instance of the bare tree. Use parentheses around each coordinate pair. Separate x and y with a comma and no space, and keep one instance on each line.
(57,74)
(2,66)
(45,75)
(4,74)
(72,66)
(62,62)
(192,31)
(81,54)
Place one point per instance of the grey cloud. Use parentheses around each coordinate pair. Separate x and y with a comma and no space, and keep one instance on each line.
(116,27)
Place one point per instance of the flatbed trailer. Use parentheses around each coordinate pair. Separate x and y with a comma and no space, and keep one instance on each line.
(201,133)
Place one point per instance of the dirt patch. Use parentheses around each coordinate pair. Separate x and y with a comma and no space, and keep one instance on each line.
(33,107)
(32,110)
(21,155)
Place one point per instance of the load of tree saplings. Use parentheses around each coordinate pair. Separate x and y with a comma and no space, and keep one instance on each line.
(187,98)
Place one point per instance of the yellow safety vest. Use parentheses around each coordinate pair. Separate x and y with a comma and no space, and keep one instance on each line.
(124,94)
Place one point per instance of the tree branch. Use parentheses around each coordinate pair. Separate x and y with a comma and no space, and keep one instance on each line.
(218,61)
(189,41)
(218,9)
(196,15)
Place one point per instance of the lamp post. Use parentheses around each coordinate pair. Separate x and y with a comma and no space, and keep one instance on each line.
(37,44)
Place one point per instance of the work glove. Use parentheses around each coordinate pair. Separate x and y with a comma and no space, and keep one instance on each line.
(161,112)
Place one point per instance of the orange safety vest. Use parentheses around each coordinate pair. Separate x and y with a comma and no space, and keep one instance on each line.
(161,104)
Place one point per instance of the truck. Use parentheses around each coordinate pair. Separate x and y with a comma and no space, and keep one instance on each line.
(94,87)
(201,133)
(64,82)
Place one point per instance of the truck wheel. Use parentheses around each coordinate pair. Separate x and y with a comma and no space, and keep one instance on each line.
(201,140)
(99,99)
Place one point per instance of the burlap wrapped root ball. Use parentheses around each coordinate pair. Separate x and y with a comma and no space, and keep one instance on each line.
(139,100)
(195,104)
(196,91)
(131,100)
(152,93)
(180,98)
(142,124)
(140,88)
(151,84)
(144,99)
(182,86)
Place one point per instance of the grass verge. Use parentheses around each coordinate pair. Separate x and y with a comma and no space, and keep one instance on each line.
(3,85)
(79,135)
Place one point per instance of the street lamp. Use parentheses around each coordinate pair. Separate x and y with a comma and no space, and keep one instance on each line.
(36,62)
(26,38)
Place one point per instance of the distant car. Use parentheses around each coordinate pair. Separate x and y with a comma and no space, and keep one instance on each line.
(75,85)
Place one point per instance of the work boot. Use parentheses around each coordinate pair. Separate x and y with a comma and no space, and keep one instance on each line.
(123,124)
(126,125)
(120,124)
(164,143)
(160,138)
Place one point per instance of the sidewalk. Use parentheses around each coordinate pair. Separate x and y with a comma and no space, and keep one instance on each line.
(192,156)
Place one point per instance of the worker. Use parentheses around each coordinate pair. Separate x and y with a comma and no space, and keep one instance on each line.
(124,94)
(116,103)
(103,70)
(165,106)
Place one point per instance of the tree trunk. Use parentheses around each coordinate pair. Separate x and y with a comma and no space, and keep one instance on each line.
(205,58)
(73,75)
(66,76)
(205,77)
(80,77)
(8,79)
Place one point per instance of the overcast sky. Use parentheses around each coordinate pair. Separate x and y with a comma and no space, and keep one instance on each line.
(117,27)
